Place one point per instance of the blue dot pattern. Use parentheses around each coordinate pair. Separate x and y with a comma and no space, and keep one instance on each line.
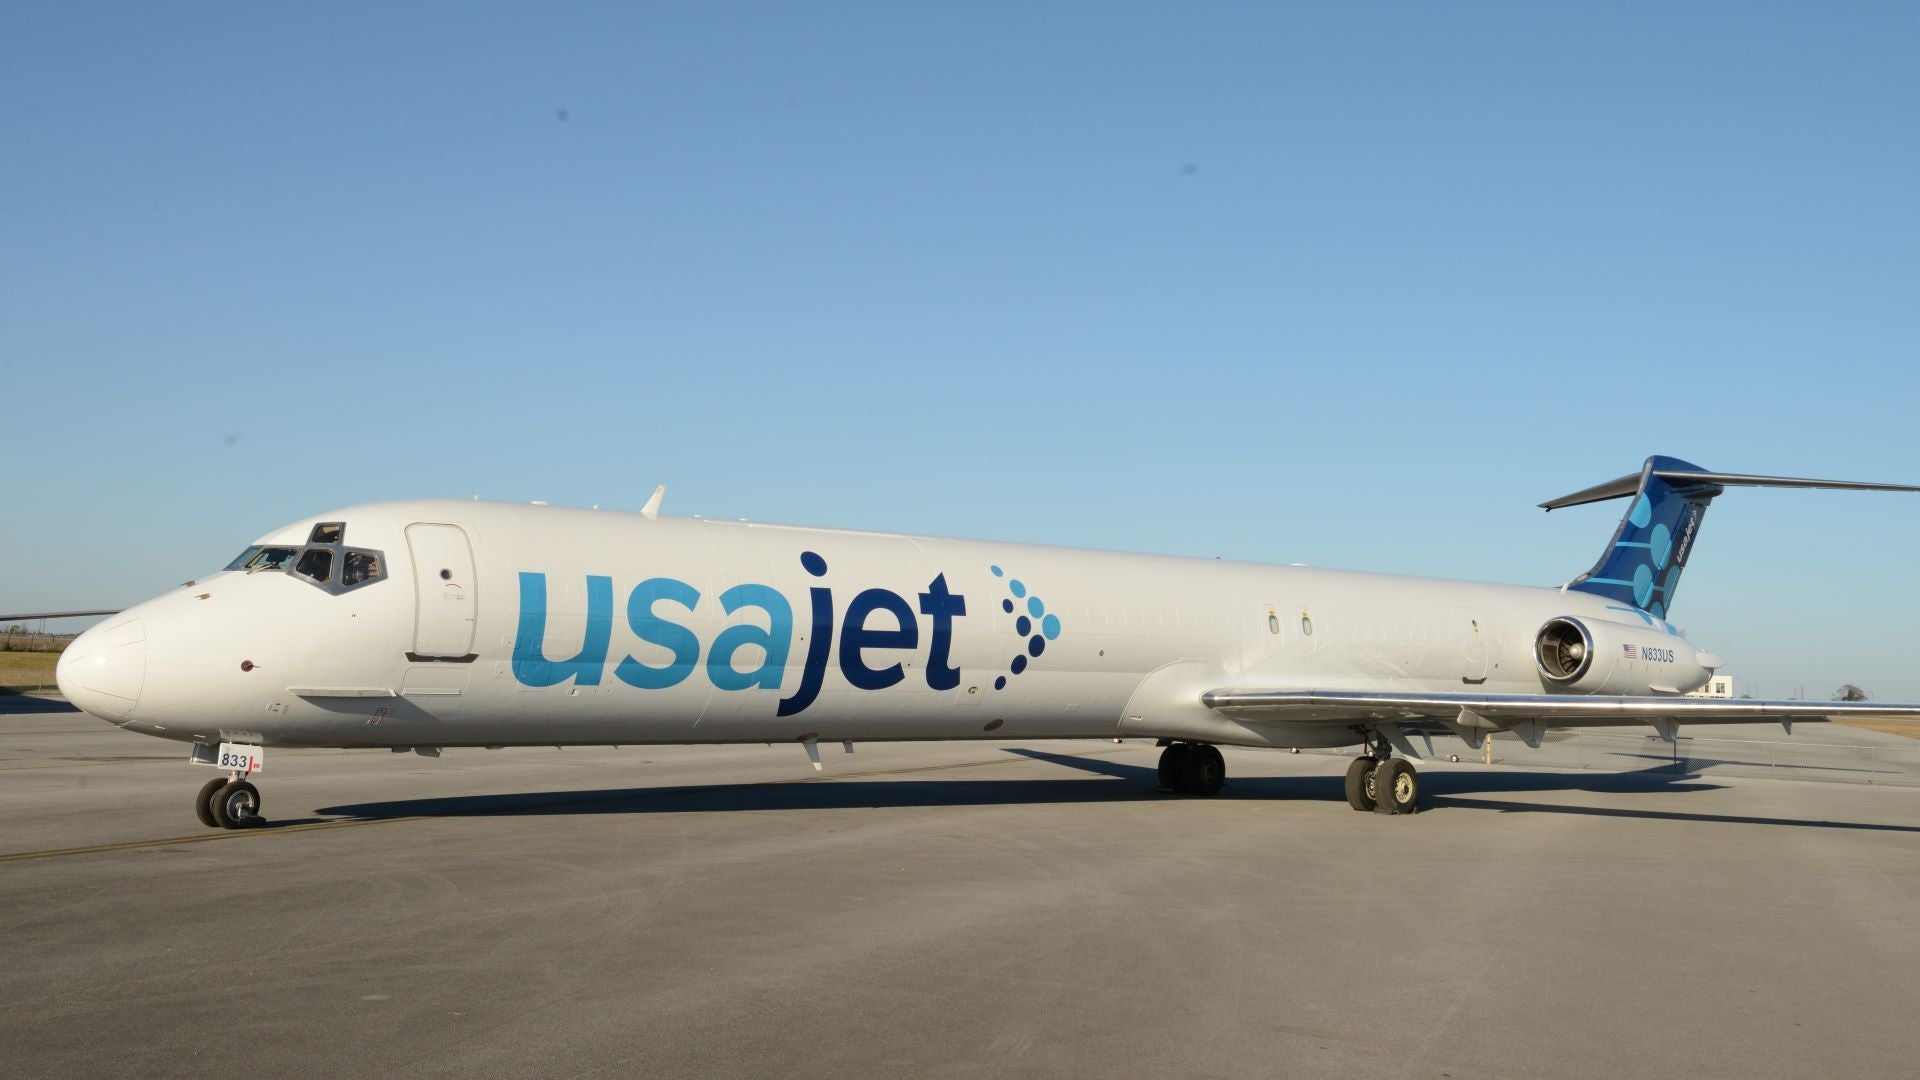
(1642,565)
(1038,626)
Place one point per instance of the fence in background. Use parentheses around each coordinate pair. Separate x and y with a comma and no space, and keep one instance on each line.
(18,639)
(27,657)
(1814,754)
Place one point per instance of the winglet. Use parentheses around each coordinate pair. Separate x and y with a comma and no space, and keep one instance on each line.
(652,509)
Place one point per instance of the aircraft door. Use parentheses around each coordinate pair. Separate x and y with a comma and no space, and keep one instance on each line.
(444,591)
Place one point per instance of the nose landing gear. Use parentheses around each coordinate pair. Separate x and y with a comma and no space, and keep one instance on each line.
(228,802)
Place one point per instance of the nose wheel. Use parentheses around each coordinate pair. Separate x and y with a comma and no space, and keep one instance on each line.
(228,802)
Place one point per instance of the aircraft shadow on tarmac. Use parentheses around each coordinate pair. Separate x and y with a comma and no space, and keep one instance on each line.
(1116,782)
(1696,762)
(11,704)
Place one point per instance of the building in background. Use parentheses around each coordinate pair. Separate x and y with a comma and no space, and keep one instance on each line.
(1719,686)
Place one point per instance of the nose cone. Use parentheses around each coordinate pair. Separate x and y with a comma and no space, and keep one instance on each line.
(104,668)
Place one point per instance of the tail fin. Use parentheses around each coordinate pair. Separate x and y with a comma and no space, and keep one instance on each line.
(1642,565)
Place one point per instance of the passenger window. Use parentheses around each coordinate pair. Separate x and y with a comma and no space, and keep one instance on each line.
(360,566)
(317,564)
(1273,623)
(329,532)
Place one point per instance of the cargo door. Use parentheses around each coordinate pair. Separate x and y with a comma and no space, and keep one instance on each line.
(445,592)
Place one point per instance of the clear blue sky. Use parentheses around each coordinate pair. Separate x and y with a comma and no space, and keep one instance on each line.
(1351,285)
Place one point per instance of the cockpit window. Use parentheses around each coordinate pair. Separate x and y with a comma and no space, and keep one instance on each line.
(323,562)
(361,566)
(316,563)
(255,559)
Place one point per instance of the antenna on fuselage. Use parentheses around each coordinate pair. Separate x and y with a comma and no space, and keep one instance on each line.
(652,509)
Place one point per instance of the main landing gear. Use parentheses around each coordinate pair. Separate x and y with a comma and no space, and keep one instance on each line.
(228,802)
(1192,769)
(1383,783)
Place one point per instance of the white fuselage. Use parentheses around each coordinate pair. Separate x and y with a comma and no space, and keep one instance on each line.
(503,624)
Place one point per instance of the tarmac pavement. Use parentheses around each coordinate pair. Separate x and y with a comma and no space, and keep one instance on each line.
(954,910)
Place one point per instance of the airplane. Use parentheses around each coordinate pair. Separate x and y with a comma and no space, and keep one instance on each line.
(421,625)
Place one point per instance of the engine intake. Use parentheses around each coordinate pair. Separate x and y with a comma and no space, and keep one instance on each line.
(1564,650)
(1596,656)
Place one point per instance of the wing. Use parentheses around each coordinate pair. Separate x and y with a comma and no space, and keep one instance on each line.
(1471,716)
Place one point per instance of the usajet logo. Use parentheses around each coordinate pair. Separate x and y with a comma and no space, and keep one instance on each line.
(1688,530)
(876,622)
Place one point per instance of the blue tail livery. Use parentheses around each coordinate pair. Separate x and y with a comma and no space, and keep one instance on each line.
(1642,564)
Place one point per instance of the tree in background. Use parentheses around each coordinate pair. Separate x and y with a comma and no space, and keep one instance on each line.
(1849,692)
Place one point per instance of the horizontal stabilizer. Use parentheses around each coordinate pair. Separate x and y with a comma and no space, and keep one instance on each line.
(1629,484)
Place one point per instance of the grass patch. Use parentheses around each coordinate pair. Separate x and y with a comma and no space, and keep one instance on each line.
(1909,728)
(27,670)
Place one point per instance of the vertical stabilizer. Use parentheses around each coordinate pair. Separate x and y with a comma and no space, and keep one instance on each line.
(1641,565)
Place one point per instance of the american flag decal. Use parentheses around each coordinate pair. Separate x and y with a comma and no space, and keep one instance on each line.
(1629,650)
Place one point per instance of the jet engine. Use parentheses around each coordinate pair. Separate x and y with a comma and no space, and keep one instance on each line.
(1593,656)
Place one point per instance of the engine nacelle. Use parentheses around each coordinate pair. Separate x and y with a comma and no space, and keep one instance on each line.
(1593,656)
